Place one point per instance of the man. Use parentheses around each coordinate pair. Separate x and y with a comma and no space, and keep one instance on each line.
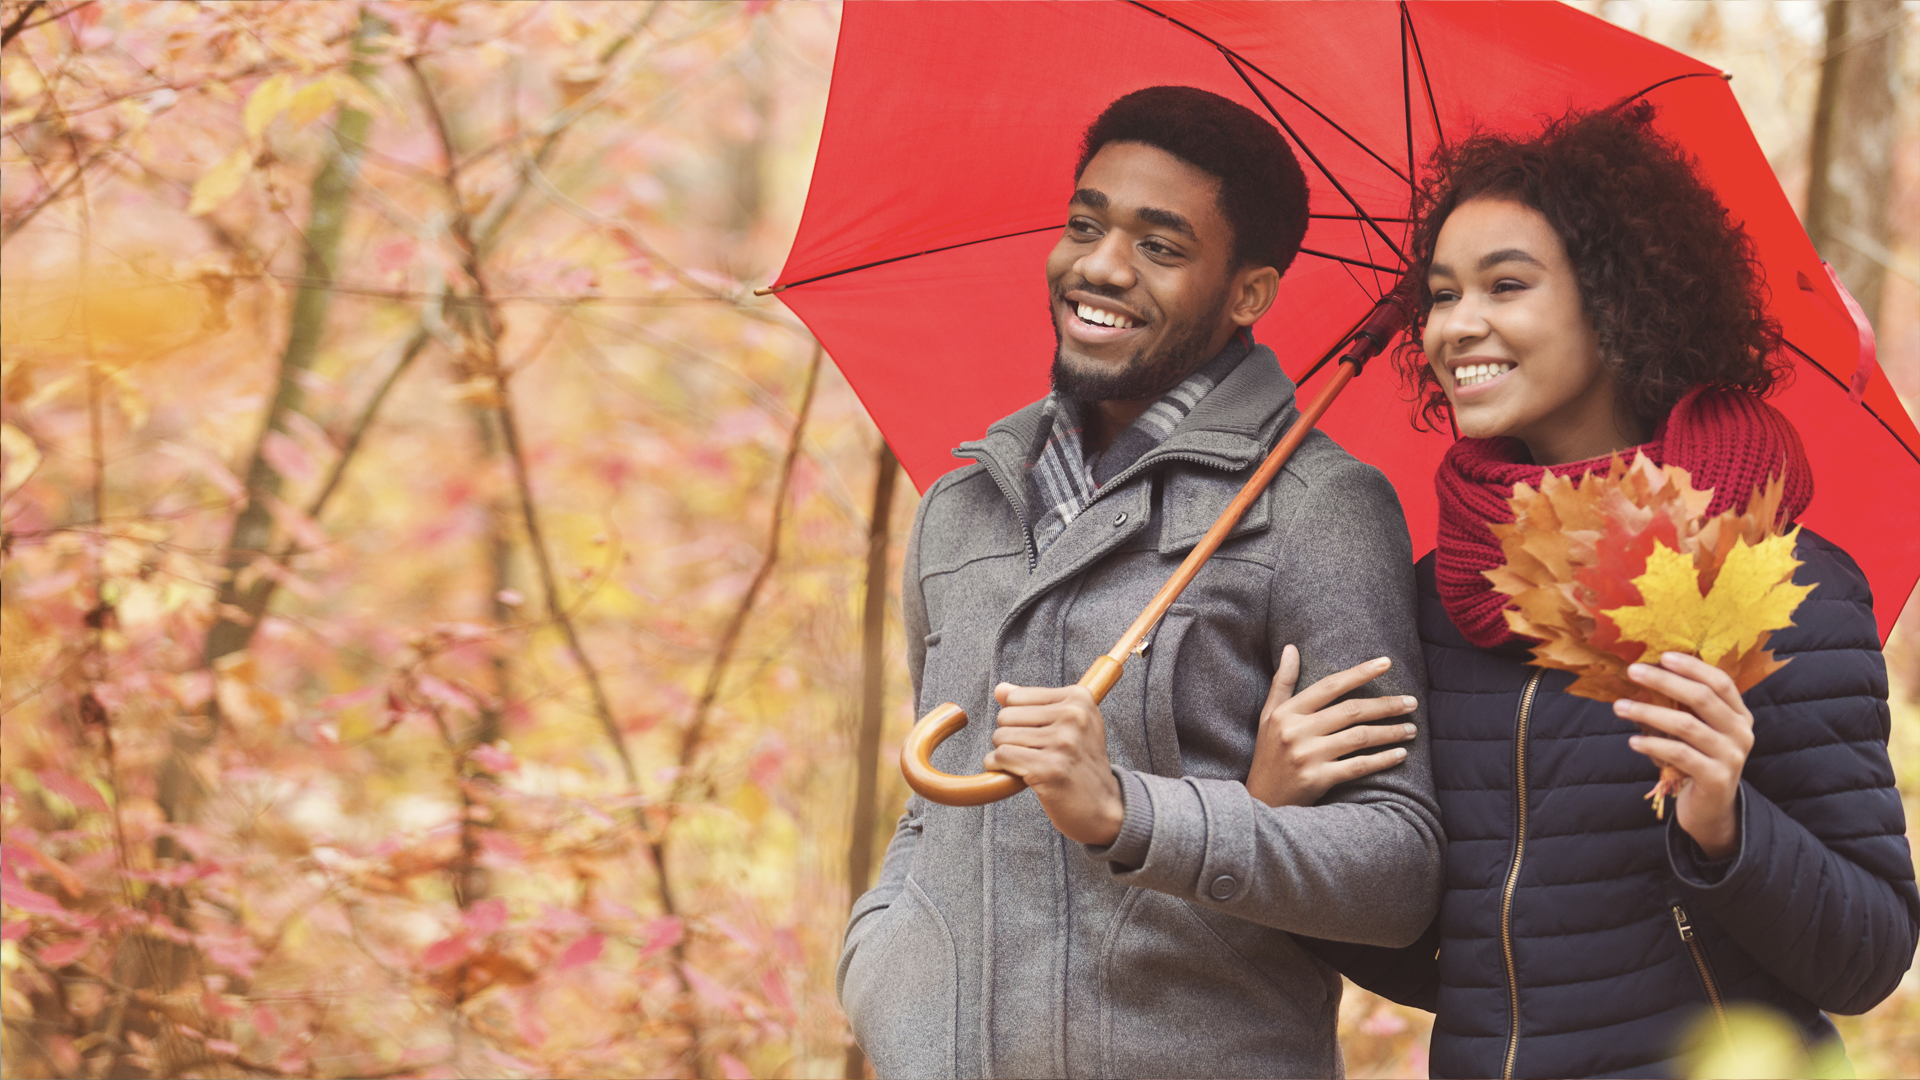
(1133,912)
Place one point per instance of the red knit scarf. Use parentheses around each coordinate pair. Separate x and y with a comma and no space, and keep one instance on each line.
(1727,440)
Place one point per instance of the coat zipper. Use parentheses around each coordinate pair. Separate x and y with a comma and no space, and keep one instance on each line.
(1685,926)
(1019,508)
(1513,872)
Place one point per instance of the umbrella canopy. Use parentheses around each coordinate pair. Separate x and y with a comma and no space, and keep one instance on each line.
(946,163)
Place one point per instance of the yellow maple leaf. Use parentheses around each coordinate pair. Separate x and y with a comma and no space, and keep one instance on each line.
(1752,595)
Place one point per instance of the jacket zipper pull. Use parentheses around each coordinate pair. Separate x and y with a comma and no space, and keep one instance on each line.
(1680,921)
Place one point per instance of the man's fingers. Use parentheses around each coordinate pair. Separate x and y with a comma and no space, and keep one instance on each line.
(1330,689)
(1009,694)
(1353,768)
(1036,738)
(1285,678)
(1017,760)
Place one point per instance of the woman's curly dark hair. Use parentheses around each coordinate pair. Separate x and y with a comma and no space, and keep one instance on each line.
(1671,282)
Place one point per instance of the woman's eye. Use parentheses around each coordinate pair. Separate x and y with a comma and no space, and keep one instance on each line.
(1508,286)
(1445,296)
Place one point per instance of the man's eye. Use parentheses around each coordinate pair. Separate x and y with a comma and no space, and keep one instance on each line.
(1081,227)
(1155,247)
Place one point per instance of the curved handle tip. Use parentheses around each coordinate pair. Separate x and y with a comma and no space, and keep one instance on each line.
(945,788)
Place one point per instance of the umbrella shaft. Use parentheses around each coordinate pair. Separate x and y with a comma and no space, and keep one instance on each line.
(1106,670)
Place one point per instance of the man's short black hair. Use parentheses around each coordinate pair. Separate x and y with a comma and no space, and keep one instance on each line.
(1263,192)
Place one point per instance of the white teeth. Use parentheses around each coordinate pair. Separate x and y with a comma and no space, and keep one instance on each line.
(1475,374)
(1092,314)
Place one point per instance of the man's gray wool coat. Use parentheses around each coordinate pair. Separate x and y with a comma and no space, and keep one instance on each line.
(993,946)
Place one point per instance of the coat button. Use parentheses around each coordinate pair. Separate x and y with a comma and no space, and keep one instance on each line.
(1223,886)
(1119,519)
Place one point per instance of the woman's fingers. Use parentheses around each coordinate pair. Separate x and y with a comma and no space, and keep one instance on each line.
(1677,754)
(1703,689)
(1360,710)
(1683,726)
(1285,678)
(1330,689)
(1339,772)
(1361,736)
(1714,679)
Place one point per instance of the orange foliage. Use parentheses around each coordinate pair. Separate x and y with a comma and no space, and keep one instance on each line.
(1618,567)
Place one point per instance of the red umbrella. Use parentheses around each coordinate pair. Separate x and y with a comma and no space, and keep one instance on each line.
(947,158)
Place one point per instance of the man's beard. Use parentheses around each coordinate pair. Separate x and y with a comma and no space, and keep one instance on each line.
(1144,375)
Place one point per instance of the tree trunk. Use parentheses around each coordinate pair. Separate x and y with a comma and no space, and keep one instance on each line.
(1851,158)
(241,605)
(866,757)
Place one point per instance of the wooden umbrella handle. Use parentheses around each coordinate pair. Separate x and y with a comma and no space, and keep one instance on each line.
(916,753)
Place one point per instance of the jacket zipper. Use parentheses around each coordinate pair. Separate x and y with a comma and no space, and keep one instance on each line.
(1513,872)
(1685,926)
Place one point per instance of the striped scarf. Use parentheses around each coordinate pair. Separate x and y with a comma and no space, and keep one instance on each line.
(1065,481)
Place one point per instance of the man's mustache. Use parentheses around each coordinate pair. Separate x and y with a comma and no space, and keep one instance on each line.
(1108,292)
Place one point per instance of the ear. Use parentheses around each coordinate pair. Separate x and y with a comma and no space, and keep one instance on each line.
(1252,290)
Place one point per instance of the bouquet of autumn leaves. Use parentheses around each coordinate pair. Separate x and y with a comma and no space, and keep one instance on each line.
(1622,566)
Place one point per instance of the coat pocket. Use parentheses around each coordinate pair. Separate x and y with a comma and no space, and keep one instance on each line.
(1182,999)
(1163,659)
(901,990)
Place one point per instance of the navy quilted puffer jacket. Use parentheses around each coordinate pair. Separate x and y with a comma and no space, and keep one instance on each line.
(1577,935)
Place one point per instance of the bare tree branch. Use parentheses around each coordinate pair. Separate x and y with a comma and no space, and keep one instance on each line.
(19,22)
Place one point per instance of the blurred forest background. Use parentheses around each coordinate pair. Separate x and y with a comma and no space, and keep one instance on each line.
(434,585)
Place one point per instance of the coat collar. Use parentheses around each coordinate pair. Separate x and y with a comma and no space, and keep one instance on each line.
(1229,428)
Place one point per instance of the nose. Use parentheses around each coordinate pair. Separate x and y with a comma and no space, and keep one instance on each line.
(1464,322)
(1109,263)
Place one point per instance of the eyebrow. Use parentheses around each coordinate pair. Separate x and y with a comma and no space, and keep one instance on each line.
(1489,261)
(1094,199)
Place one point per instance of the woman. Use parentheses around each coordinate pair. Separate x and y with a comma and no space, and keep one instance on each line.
(1586,295)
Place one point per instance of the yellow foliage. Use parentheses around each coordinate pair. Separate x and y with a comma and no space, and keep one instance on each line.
(268,101)
(312,101)
(221,182)
(1754,594)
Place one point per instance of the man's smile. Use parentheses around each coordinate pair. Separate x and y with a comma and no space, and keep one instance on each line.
(1097,320)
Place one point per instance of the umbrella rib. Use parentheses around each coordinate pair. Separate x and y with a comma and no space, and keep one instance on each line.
(1406,90)
(1283,86)
(1350,262)
(1842,384)
(1331,352)
(898,258)
(1426,80)
(1357,217)
(1234,63)
(1671,79)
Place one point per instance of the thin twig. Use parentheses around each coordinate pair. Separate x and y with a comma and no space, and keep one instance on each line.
(695,733)
(543,561)
(473,259)
(19,22)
